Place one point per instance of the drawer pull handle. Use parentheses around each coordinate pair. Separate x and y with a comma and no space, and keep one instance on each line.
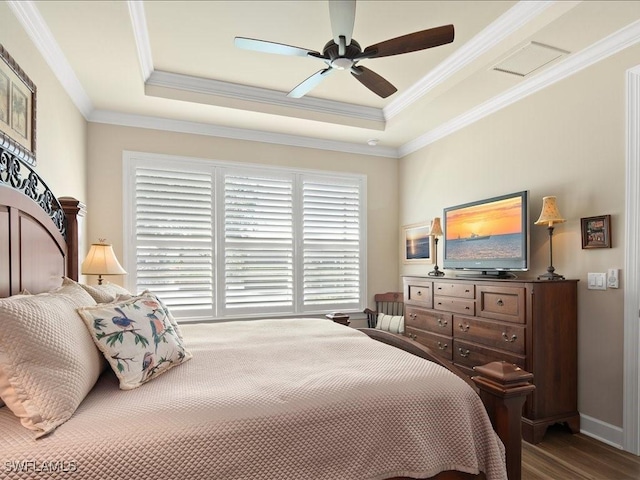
(500,302)
(412,315)
(467,308)
(507,339)
(464,328)
(419,293)
(442,346)
(441,323)
(463,353)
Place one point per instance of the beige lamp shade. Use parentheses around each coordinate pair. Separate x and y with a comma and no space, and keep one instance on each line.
(436,228)
(101,261)
(550,213)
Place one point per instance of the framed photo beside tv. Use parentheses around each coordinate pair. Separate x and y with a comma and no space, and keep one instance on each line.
(596,231)
(417,243)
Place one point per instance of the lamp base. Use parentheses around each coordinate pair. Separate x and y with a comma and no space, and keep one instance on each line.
(436,272)
(550,276)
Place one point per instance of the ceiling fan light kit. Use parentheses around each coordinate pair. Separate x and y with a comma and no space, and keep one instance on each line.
(344,53)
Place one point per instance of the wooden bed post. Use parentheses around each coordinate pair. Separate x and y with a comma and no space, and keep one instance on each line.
(504,387)
(73,210)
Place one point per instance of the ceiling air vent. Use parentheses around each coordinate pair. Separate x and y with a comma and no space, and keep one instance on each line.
(529,58)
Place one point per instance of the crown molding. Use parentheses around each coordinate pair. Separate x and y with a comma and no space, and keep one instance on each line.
(33,23)
(623,38)
(141,35)
(196,128)
(510,21)
(29,17)
(245,93)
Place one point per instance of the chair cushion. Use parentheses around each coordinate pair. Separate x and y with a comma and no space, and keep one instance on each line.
(390,323)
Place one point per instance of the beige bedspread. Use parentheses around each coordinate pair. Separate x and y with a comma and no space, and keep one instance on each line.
(297,399)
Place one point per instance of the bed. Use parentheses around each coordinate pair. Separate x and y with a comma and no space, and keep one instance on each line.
(273,399)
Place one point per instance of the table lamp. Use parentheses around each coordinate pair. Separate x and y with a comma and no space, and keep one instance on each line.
(549,216)
(101,261)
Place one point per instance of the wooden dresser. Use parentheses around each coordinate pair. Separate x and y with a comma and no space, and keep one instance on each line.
(531,323)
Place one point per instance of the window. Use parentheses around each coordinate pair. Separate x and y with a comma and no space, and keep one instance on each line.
(223,240)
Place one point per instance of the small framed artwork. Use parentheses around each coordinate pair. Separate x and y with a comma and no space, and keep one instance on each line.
(596,232)
(17,110)
(417,244)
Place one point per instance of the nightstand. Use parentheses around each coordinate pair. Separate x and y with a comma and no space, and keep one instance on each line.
(341,318)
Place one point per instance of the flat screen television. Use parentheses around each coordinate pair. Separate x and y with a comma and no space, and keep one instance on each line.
(490,236)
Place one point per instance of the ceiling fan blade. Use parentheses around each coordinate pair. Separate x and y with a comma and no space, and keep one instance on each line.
(310,83)
(272,47)
(412,42)
(343,17)
(373,81)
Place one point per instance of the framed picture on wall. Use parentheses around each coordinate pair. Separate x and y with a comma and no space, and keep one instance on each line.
(17,110)
(417,244)
(596,231)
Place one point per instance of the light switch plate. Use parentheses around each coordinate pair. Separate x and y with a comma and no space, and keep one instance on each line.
(597,281)
(612,278)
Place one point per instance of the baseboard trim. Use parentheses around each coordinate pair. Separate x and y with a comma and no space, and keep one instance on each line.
(601,431)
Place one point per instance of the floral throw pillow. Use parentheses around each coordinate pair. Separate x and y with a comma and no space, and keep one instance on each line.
(136,337)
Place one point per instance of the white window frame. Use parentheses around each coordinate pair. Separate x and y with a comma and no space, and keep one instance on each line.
(132,159)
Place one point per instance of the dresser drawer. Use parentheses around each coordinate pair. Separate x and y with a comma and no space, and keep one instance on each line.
(504,336)
(419,294)
(502,303)
(455,305)
(430,320)
(462,290)
(440,344)
(471,355)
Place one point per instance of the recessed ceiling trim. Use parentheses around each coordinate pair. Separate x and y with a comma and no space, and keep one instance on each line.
(182,126)
(38,31)
(510,21)
(141,35)
(623,38)
(246,93)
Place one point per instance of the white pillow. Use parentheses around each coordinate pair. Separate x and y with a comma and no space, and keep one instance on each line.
(390,323)
(48,362)
(136,337)
(106,293)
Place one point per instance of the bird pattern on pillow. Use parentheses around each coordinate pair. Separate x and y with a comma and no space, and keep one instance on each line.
(136,337)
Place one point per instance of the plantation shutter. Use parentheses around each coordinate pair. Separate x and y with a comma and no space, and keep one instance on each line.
(174,238)
(331,244)
(258,243)
(219,240)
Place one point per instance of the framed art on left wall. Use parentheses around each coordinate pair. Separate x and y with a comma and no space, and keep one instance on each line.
(17,110)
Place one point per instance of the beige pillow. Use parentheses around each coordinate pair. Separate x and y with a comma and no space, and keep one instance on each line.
(106,293)
(390,323)
(23,293)
(48,362)
(136,337)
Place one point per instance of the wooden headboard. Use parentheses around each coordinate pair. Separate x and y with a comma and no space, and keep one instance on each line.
(38,233)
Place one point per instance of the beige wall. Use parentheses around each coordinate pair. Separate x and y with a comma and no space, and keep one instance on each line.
(104,201)
(61,129)
(567,140)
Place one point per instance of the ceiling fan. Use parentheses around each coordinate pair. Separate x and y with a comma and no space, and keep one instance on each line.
(344,53)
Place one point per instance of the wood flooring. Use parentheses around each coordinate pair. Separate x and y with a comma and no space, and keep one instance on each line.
(563,456)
